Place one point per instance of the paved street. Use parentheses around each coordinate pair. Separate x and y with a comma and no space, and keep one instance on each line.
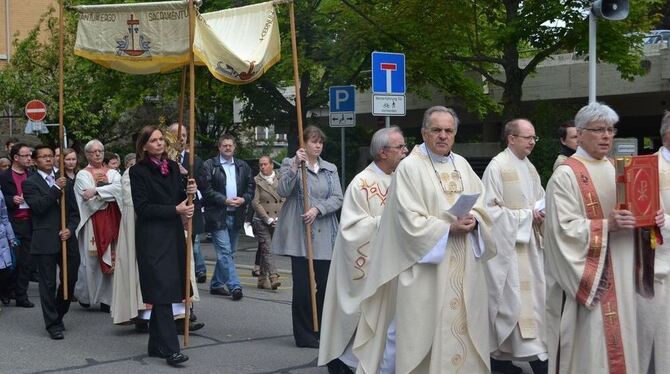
(249,336)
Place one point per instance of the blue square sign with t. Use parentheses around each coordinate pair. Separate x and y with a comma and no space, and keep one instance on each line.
(388,73)
(342,99)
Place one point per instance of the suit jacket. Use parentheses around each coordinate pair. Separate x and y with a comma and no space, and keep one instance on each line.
(213,181)
(9,190)
(44,203)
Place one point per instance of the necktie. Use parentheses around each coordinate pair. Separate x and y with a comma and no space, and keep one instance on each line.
(51,180)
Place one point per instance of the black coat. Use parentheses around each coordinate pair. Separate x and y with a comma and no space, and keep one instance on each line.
(198,219)
(9,190)
(212,178)
(44,202)
(159,234)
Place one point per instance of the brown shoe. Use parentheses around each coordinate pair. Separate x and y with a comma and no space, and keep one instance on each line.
(274,281)
(263,282)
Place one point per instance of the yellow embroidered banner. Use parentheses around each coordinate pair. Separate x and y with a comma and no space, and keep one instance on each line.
(238,45)
(140,38)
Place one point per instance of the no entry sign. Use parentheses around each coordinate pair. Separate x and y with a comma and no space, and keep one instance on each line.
(36,110)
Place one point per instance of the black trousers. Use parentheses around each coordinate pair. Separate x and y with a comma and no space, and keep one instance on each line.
(162,330)
(53,305)
(24,260)
(301,304)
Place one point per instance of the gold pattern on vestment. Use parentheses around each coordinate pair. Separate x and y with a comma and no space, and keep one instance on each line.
(373,190)
(360,262)
(456,273)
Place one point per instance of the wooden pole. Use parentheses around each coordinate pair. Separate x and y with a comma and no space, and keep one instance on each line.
(182,94)
(191,161)
(61,84)
(303,171)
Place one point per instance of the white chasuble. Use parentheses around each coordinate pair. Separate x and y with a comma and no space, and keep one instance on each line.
(516,274)
(364,202)
(577,326)
(653,321)
(93,286)
(440,309)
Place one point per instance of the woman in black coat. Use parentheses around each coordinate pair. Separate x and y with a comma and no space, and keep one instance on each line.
(160,204)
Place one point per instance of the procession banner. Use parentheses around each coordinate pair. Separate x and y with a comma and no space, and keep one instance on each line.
(238,45)
(140,38)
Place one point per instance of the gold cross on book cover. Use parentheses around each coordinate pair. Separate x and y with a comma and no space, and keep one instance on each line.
(637,187)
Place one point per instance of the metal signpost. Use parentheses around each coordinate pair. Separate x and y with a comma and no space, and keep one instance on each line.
(342,114)
(388,85)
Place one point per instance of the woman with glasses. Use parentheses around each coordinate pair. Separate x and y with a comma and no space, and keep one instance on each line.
(98,192)
(325,198)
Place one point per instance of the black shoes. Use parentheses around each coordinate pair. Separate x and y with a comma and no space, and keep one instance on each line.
(176,359)
(56,334)
(220,291)
(338,367)
(172,359)
(104,308)
(539,367)
(25,304)
(504,367)
(192,326)
(142,327)
(201,277)
(84,305)
(237,294)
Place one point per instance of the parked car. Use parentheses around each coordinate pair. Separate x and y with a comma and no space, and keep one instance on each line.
(658,37)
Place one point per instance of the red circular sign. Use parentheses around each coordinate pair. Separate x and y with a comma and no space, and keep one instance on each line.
(36,110)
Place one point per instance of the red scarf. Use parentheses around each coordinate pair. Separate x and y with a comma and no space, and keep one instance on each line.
(162,165)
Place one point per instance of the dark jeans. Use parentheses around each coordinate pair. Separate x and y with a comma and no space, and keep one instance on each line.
(53,305)
(301,305)
(24,260)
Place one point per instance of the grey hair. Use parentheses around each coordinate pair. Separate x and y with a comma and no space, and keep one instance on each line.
(665,123)
(381,139)
(435,109)
(593,112)
(129,156)
(90,144)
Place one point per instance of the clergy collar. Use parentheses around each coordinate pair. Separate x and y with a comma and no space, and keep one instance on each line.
(377,169)
(585,155)
(45,175)
(223,161)
(666,153)
(434,156)
(515,157)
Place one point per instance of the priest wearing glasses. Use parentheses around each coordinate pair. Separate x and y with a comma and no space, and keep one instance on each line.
(425,303)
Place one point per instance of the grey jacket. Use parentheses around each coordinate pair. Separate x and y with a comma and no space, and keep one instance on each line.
(325,194)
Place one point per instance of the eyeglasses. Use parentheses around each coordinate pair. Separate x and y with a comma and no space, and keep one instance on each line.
(602,130)
(28,155)
(399,146)
(96,151)
(529,137)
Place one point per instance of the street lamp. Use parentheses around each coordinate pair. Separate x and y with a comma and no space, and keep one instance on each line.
(613,10)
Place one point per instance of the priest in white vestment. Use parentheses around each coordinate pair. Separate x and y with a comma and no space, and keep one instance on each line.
(591,309)
(426,288)
(98,193)
(653,314)
(514,199)
(364,202)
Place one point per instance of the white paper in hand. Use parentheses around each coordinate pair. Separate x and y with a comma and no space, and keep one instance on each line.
(248,231)
(464,204)
(539,205)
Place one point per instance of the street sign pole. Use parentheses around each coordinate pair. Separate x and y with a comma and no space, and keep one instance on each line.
(344,170)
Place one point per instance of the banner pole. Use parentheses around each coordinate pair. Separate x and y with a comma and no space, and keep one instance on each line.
(303,171)
(61,100)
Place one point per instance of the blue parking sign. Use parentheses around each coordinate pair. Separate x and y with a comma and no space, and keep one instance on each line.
(388,73)
(342,99)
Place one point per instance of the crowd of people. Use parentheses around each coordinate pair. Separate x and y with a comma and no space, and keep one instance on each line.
(428,269)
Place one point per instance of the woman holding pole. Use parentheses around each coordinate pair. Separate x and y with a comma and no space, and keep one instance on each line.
(325,198)
(160,203)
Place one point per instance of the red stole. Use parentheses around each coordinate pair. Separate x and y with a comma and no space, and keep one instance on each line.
(106,225)
(606,285)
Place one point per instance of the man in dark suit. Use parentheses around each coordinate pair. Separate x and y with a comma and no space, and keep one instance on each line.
(11,182)
(42,192)
(228,189)
(198,220)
